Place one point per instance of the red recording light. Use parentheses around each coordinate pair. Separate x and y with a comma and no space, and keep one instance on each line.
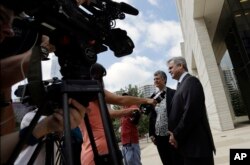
(65,40)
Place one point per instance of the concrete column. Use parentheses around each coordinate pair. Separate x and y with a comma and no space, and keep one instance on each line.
(218,106)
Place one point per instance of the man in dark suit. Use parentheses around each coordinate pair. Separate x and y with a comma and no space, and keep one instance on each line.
(188,123)
(158,121)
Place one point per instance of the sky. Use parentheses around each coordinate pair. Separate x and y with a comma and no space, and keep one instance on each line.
(156,34)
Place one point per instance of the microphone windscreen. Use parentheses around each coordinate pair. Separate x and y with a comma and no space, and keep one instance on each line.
(126,8)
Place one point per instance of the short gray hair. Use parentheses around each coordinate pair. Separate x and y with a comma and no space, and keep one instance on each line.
(162,74)
(179,60)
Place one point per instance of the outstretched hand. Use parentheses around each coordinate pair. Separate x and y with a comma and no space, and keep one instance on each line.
(152,101)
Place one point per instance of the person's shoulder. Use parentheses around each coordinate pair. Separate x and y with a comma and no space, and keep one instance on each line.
(193,81)
(193,78)
(190,77)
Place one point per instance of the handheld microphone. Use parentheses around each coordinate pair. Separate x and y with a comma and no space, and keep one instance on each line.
(159,96)
(147,108)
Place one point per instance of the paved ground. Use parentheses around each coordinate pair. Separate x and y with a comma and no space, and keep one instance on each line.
(224,141)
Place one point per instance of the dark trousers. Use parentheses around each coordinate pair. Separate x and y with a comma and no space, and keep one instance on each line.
(167,153)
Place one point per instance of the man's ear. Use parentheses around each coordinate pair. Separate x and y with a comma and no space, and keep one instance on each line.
(181,65)
(178,65)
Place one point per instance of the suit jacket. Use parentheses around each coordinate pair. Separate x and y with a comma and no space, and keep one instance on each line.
(152,118)
(188,119)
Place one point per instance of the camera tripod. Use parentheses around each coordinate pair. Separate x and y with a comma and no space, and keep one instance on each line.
(50,156)
(81,87)
(94,86)
(52,150)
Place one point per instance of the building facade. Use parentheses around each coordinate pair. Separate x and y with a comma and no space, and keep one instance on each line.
(210,30)
(147,90)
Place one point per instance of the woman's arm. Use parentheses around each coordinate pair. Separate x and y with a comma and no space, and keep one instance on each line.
(122,112)
(13,68)
(111,98)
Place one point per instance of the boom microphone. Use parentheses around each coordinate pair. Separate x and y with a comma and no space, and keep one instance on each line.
(126,8)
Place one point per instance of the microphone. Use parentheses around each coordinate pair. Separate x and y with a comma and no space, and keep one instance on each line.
(126,8)
(159,96)
(122,6)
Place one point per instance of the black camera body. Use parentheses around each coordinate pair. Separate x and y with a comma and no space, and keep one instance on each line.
(78,35)
(135,117)
(147,108)
(81,90)
(54,90)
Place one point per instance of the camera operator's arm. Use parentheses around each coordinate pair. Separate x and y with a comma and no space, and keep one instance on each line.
(11,73)
(12,68)
(7,116)
(126,100)
(18,65)
(52,123)
(8,143)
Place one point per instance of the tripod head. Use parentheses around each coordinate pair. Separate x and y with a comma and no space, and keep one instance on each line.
(54,87)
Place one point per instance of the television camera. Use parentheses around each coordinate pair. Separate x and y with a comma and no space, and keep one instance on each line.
(79,33)
(83,31)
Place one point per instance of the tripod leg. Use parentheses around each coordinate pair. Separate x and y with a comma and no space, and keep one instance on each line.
(91,138)
(36,152)
(49,150)
(114,150)
(67,133)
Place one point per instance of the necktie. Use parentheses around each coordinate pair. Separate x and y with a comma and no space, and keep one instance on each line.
(178,85)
